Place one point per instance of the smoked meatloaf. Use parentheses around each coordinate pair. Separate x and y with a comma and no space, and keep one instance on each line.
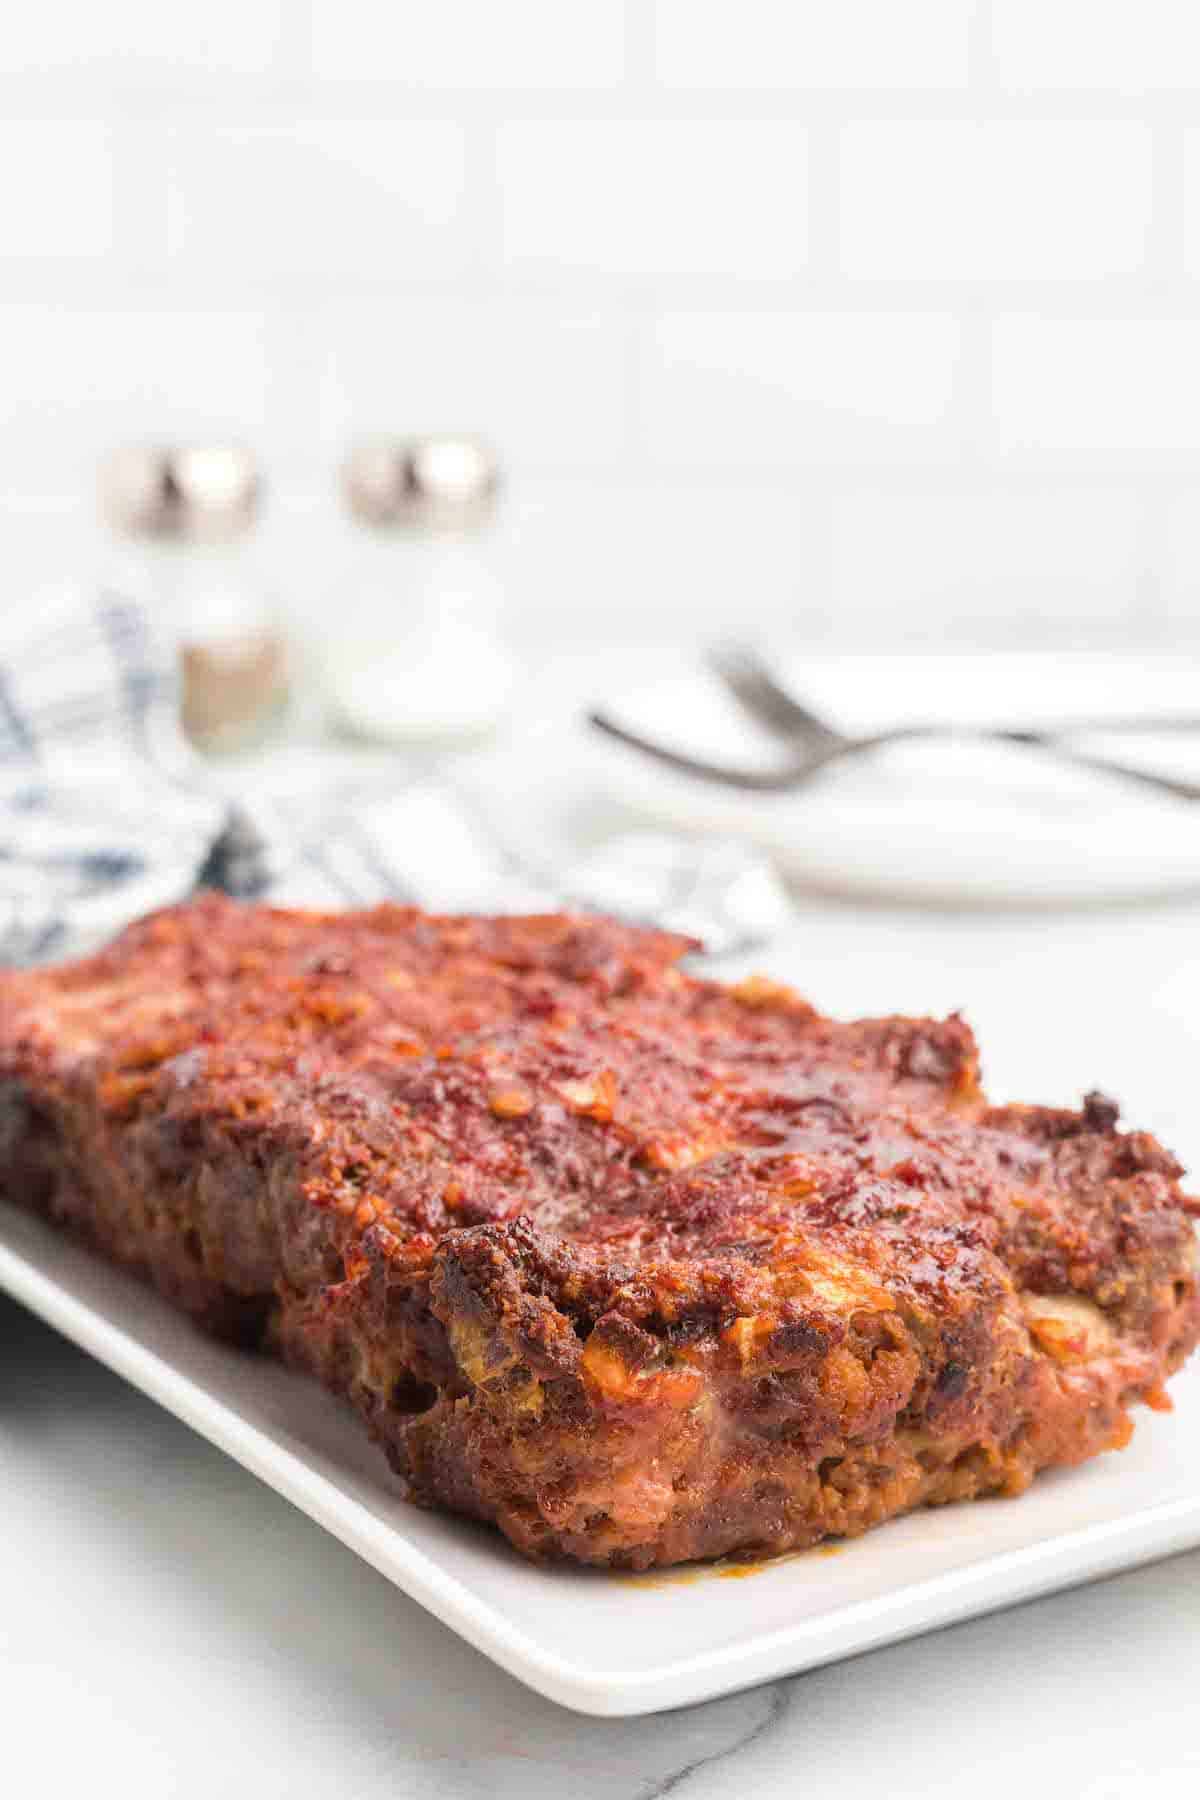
(637,1266)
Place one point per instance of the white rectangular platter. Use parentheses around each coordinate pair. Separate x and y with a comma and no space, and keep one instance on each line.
(612,1644)
(617,1645)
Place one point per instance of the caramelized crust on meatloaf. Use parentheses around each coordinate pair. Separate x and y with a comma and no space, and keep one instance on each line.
(638,1266)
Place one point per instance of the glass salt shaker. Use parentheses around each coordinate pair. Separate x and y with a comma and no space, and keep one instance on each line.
(185,517)
(419,657)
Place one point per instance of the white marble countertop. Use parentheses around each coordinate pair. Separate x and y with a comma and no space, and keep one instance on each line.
(172,1628)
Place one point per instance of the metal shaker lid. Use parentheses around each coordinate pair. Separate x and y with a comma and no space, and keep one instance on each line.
(439,485)
(194,492)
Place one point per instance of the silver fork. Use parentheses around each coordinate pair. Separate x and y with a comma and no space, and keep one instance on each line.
(815,745)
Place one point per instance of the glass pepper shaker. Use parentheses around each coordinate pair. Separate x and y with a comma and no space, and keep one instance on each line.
(419,657)
(185,517)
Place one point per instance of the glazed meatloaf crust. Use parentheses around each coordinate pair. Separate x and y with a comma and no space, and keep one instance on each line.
(637,1266)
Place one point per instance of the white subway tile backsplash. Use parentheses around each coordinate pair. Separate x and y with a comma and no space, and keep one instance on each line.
(1191,193)
(130,38)
(655,197)
(551,389)
(1180,572)
(1004,201)
(812,44)
(471,43)
(361,200)
(76,382)
(881,315)
(1124,46)
(601,561)
(953,558)
(57,189)
(1114,385)
(785,388)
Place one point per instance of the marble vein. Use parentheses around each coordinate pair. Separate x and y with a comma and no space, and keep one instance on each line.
(777,1697)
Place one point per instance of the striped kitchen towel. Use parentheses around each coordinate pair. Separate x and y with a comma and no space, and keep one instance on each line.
(106,812)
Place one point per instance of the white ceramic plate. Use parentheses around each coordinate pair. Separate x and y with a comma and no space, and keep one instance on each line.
(962,823)
(616,1644)
(625,1645)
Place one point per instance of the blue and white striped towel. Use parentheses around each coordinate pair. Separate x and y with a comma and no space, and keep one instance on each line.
(105,812)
